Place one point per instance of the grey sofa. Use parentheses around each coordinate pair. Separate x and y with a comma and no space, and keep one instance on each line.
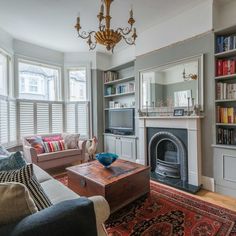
(53,159)
(65,217)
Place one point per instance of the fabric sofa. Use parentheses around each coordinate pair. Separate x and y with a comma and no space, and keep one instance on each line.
(53,159)
(65,208)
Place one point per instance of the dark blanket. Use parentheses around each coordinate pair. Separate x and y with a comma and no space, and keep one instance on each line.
(68,218)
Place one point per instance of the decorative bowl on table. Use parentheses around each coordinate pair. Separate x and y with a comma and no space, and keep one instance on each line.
(106,158)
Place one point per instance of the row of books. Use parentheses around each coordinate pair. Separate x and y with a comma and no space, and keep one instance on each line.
(122,88)
(226,115)
(225,43)
(225,67)
(110,76)
(225,91)
(226,136)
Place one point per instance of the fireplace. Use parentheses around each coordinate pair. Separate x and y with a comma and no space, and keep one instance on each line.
(175,153)
(167,152)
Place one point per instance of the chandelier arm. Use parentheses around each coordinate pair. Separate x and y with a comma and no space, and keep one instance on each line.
(125,31)
(85,35)
(129,40)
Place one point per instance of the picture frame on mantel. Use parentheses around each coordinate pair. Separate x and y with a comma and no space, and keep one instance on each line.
(178,112)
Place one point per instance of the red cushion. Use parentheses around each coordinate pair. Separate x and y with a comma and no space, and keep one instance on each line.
(52,138)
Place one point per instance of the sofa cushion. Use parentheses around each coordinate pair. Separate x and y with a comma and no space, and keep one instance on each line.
(61,154)
(71,140)
(12,162)
(3,152)
(26,176)
(40,174)
(52,138)
(37,143)
(15,202)
(54,146)
(57,192)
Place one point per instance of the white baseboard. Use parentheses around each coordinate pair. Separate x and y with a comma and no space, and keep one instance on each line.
(208,183)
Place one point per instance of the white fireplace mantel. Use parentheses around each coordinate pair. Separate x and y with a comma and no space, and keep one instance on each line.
(193,126)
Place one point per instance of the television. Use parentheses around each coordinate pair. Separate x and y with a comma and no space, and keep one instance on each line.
(121,121)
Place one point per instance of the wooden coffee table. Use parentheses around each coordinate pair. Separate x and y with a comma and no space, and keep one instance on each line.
(120,184)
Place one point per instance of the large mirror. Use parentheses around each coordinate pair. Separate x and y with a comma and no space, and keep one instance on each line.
(172,86)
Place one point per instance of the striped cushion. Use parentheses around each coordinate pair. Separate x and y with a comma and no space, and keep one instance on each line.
(26,176)
(54,146)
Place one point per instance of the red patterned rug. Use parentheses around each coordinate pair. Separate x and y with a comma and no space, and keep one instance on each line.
(169,212)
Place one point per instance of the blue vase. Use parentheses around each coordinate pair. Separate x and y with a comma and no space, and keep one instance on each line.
(106,158)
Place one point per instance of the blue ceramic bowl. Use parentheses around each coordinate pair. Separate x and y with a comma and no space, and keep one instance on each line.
(106,158)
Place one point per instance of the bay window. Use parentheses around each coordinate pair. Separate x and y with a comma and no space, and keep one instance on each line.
(38,82)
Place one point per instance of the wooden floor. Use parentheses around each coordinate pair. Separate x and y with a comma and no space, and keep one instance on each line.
(218,199)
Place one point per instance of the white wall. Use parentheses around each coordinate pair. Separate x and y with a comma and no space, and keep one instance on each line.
(35,52)
(6,41)
(224,14)
(190,23)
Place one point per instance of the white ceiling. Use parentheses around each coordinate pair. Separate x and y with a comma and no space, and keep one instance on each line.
(50,23)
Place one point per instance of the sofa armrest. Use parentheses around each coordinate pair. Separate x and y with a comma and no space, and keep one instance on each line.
(72,217)
(101,208)
(30,154)
(82,147)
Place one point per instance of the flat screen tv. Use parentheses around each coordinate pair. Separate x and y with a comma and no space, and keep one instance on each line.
(121,121)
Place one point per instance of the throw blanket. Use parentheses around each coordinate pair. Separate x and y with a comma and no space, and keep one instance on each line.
(68,218)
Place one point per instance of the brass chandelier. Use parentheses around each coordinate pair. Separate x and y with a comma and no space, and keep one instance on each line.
(105,35)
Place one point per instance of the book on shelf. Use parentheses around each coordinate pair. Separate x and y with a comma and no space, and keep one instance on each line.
(226,115)
(110,76)
(225,43)
(225,67)
(119,89)
(225,91)
(226,136)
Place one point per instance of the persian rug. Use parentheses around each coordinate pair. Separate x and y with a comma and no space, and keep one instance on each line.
(169,212)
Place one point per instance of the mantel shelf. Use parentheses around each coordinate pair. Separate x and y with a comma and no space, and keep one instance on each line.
(170,117)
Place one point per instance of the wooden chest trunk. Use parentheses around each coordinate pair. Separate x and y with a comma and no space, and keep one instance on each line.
(120,184)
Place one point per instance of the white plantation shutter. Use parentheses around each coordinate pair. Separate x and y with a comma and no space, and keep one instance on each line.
(26,116)
(83,119)
(12,121)
(57,118)
(70,118)
(42,118)
(3,122)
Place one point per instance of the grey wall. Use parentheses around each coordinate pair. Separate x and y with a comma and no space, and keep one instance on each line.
(203,44)
(97,109)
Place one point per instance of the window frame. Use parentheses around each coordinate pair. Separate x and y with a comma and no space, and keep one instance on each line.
(59,93)
(67,70)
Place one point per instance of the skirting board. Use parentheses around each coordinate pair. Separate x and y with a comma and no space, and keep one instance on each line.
(208,183)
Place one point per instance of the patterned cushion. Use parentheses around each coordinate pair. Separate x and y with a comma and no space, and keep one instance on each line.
(52,138)
(15,202)
(54,146)
(37,143)
(71,141)
(3,152)
(12,162)
(26,176)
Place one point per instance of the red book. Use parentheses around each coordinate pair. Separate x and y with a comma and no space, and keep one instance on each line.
(226,67)
(232,66)
(219,67)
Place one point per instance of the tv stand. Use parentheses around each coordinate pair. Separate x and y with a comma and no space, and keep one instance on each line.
(123,145)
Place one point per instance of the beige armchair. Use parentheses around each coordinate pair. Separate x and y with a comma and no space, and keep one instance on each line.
(53,159)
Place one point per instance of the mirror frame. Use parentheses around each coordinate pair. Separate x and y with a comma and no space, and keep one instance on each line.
(199,58)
